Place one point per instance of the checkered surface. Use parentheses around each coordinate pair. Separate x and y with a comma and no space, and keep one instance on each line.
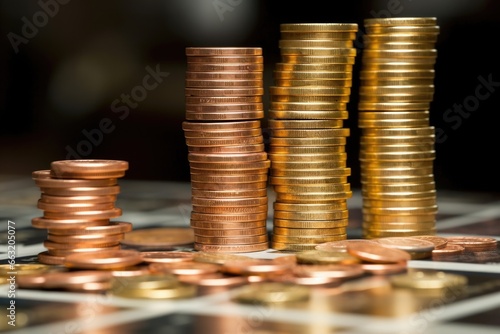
(161,204)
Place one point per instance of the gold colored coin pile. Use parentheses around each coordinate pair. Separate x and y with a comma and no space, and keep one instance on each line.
(308,105)
(228,162)
(397,140)
(78,200)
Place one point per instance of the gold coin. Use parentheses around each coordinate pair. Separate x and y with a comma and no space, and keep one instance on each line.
(248,140)
(312,75)
(335,205)
(374,44)
(310,224)
(308,157)
(326,91)
(276,180)
(313,83)
(377,203)
(308,114)
(230,233)
(270,293)
(308,232)
(325,172)
(428,280)
(405,106)
(310,133)
(396,81)
(367,178)
(306,149)
(313,67)
(332,141)
(420,131)
(312,197)
(396,140)
(328,34)
(314,43)
(307,239)
(292,247)
(228,179)
(399,21)
(399,65)
(396,89)
(319,27)
(326,257)
(395,218)
(222,51)
(397,29)
(300,59)
(307,51)
(244,240)
(311,215)
(231,248)
(396,172)
(308,165)
(195,224)
(277,100)
(399,195)
(228,149)
(158,237)
(393,115)
(401,210)
(304,124)
(392,123)
(396,98)
(397,156)
(393,74)
(339,104)
(396,148)
(402,37)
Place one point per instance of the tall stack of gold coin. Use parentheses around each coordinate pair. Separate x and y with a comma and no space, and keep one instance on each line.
(308,106)
(397,140)
(228,162)
(78,200)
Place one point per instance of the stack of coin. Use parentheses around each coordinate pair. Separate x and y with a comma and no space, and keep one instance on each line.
(397,140)
(227,158)
(308,106)
(78,202)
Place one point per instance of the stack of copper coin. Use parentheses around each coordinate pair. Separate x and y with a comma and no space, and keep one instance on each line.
(312,86)
(228,162)
(397,140)
(78,202)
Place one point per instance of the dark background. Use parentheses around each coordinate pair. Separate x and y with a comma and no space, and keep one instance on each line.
(63,79)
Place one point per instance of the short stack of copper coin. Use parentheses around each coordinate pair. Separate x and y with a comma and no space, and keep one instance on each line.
(78,202)
(397,140)
(227,158)
(312,87)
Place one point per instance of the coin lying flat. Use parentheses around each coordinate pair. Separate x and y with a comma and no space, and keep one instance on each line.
(161,237)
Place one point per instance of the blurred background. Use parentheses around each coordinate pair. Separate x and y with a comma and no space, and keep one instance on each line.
(72,72)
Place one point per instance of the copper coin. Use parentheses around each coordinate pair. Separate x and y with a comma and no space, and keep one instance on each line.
(44,179)
(449,249)
(81,191)
(185,268)
(315,281)
(214,67)
(106,259)
(439,242)
(76,245)
(197,224)
(165,237)
(339,245)
(406,243)
(228,233)
(473,243)
(384,268)
(223,51)
(45,257)
(229,186)
(94,215)
(220,126)
(62,279)
(256,267)
(76,206)
(226,59)
(90,238)
(377,253)
(49,199)
(69,251)
(240,240)
(88,168)
(43,222)
(114,227)
(167,256)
